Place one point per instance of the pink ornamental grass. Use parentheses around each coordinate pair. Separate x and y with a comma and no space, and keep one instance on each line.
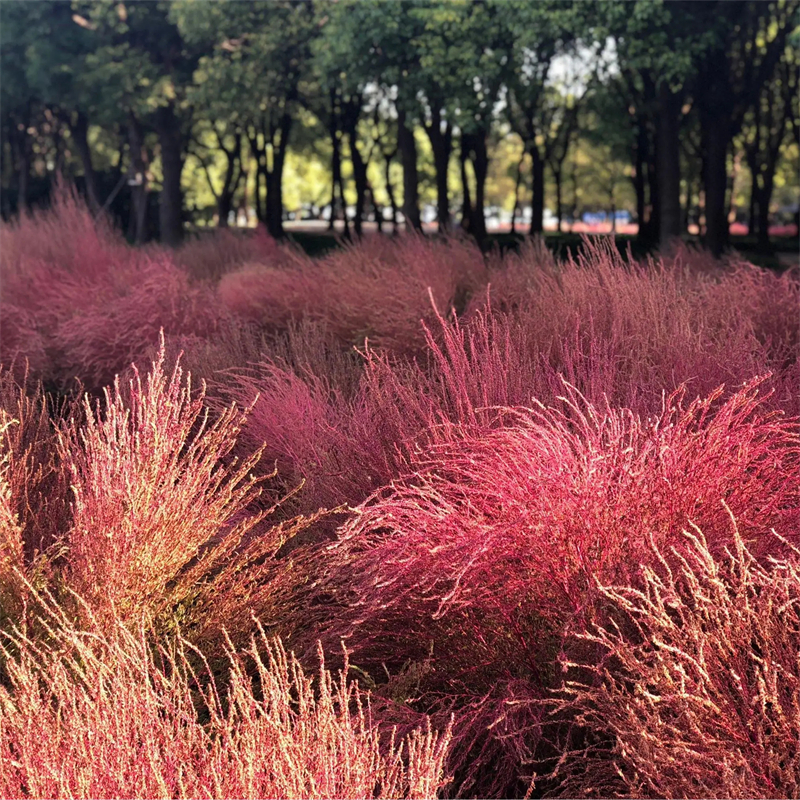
(102,713)
(376,290)
(162,518)
(494,543)
(696,688)
(80,303)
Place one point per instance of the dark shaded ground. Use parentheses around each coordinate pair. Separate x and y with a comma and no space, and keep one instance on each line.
(785,250)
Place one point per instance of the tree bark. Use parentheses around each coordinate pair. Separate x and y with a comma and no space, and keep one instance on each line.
(764,198)
(559,204)
(233,177)
(466,202)
(170,206)
(716,138)
(20,142)
(389,188)
(137,228)
(80,136)
(669,164)
(274,178)
(408,155)
(517,185)
(537,200)
(473,148)
(24,171)
(359,165)
(442,146)
(481,164)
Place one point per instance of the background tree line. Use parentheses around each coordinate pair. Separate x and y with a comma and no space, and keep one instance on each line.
(140,101)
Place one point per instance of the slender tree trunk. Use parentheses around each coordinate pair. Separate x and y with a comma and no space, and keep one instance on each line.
(752,226)
(481,164)
(408,155)
(274,179)
(24,172)
(613,203)
(442,147)
(390,188)
(669,164)
(137,229)
(22,157)
(343,203)
(260,159)
(517,185)
(233,177)
(80,136)
(170,206)
(638,188)
(336,158)
(716,136)
(764,198)
(466,203)
(359,168)
(261,178)
(537,200)
(654,195)
(559,205)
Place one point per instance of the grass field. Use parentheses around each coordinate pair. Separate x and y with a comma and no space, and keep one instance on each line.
(396,518)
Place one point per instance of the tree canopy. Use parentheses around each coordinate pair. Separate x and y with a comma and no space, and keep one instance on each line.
(187,111)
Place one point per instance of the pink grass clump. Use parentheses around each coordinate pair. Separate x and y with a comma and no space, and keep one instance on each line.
(35,475)
(212,254)
(377,289)
(495,542)
(102,713)
(319,421)
(161,515)
(81,303)
(696,691)
(630,331)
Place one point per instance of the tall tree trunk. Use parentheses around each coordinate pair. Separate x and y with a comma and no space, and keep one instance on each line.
(170,205)
(387,177)
(716,139)
(481,164)
(638,188)
(408,155)
(359,166)
(442,147)
(764,198)
(689,199)
(654,196)
(559,205)
(24,172)
(274,179)
(466,203)
(752,222)
(517,185)
(669,164)
(233,177)
(137,228)
(336,157)
(537,200)
(80,136)
(22,156)
(613,203)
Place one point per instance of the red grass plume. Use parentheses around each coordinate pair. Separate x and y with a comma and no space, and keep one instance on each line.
(495,542)
(696,692)
(104,714)
(79,302)
(377,290)
(211,254)
(160,511)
